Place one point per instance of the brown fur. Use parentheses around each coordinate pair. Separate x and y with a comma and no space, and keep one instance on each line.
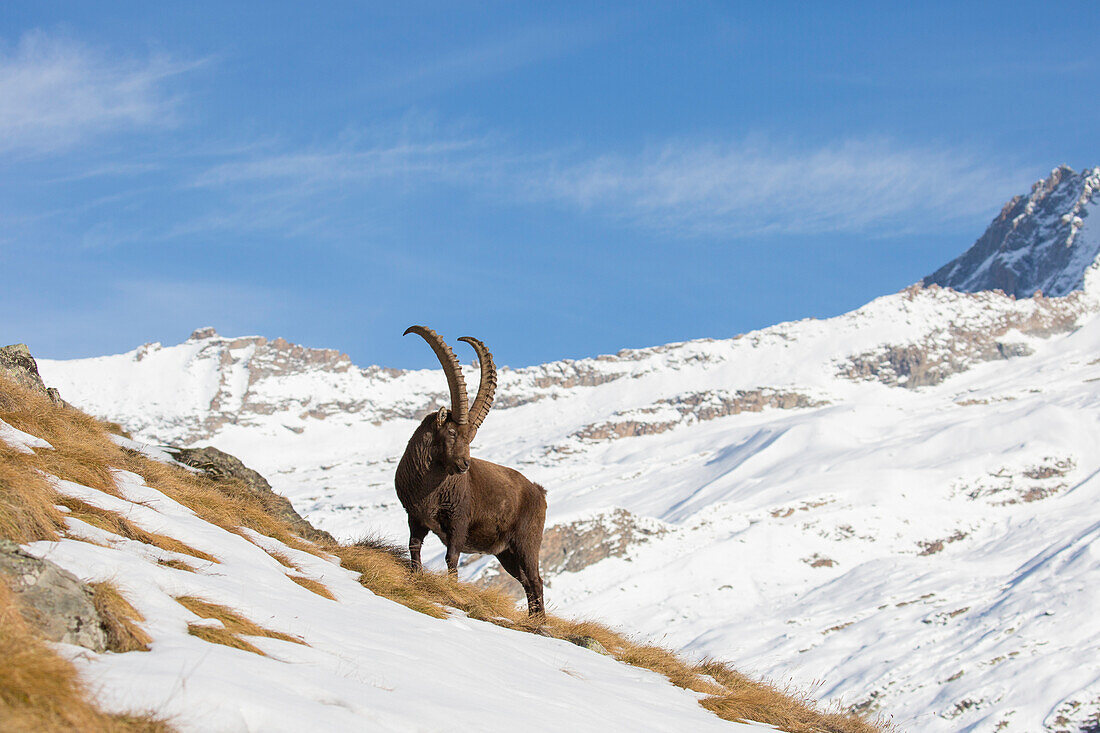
(470,504)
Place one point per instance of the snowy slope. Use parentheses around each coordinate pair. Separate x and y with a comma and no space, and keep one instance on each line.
(365,663)
(898,500)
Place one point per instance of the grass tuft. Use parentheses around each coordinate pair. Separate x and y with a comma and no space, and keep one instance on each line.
(313,585)
(282,559)
(120,620)
(176,564)
(222,636)
(27,511)
(233,622)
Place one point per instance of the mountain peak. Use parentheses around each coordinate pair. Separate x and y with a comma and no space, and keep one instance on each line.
(1041,242)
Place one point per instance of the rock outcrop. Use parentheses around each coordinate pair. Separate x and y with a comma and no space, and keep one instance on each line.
(572,546)
(220,465)
(958,345)
(52,600)
(17,365)
(691,407)
(1042,242)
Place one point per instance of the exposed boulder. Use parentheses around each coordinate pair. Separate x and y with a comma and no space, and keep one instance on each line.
(220,465)
(17,365)
(52,600)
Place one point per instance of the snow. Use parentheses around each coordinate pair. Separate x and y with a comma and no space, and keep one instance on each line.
(367,663)
(19,441)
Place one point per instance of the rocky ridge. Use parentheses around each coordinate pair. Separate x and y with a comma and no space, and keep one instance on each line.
(1042,242)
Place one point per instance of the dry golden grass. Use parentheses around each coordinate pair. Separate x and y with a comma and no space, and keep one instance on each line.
(84,453)
(313,585)
(176,564)
(227,503)
(282,559)
(40,691)
(222,636)
(120,620)
(786,709)
(115,523)
(27,511)
(233,622)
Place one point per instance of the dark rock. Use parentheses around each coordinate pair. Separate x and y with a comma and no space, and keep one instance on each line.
(17,365)
(1036,244)
(220,465)
(52,600)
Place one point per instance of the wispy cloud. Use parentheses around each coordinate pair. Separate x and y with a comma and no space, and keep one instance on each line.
(55,93)
(751,187)
(690,188)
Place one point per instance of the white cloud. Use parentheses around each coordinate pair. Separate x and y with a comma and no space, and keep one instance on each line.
(55,93)
(730,189)
(750,187)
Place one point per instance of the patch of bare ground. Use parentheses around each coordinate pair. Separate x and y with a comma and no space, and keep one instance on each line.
(1076,716)
(983,401)
(1008,486)
(805,506)
(941,619)
(692,407)
(932,547)
(819,561)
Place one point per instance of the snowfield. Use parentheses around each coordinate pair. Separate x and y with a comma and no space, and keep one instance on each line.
(365,664)
(899,501)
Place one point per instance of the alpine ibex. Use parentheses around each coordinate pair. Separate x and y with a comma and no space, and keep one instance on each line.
(470,504)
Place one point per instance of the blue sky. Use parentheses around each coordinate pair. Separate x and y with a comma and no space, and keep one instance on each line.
(559,181)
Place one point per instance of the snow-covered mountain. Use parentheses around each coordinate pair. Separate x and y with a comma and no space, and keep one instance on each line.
(899,500)
(1040,242)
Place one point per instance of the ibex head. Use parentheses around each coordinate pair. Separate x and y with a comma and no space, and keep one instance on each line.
(455,428)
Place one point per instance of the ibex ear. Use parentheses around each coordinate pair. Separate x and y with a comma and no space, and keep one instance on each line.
(441,417)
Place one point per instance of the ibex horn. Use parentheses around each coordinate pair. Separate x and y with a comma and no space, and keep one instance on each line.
(487,387)
(460,405)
